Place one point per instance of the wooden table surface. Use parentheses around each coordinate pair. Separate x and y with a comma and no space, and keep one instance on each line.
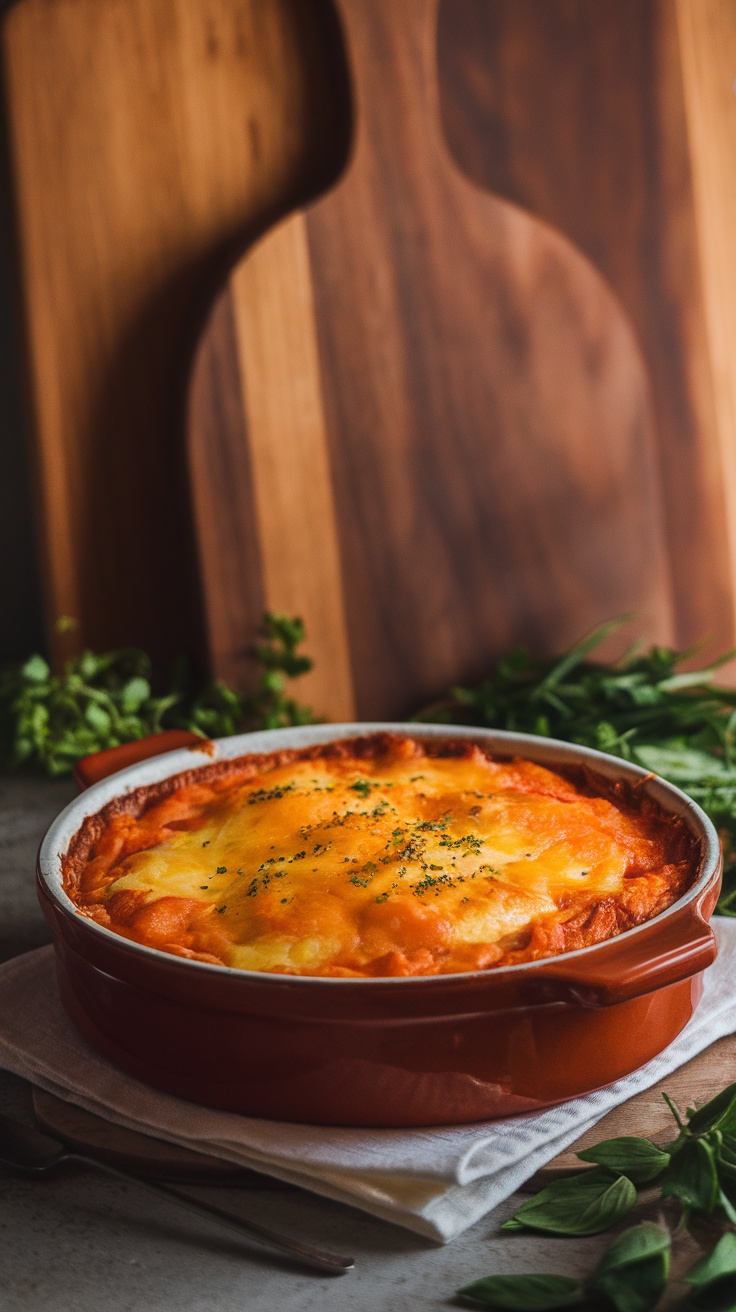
(76,1241)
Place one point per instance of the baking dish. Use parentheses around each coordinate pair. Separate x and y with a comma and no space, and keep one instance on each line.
(422,1050)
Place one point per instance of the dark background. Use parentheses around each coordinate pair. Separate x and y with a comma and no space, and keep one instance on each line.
(21,626)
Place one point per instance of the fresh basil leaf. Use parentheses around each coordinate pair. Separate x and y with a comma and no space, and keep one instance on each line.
(721,1262)
(89,665)
(682,765)
(580,1205)
(133,694)
(523,1293)
(713,1279)
(634,1245)
(692,1177)
(97,718)
(633,1270)
(639,1159)
(718,1114)
(35,670)
(635,1289)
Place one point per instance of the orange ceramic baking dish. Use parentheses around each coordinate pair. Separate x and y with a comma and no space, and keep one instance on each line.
(408,1051)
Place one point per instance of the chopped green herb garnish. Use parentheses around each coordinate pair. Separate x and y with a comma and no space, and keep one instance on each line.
(469,841)
(339,820)
(270,794)
(362,786)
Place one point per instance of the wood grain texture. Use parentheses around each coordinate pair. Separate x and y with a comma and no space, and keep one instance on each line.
(151,141)
(294,510)
(600,149)
(707,32)
(221,472)
(487,409)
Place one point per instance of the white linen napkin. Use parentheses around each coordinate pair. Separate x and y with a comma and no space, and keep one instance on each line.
(436,1182)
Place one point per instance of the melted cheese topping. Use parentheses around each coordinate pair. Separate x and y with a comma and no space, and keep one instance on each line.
(396,864)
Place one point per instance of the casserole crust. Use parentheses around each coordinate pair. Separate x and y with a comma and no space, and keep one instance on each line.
(377,856)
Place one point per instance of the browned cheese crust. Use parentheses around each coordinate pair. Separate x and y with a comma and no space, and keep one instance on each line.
(375,856)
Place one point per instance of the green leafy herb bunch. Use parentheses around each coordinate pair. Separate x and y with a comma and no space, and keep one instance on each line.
(679,724)
(630,1277)
(50,721)
(697,1169)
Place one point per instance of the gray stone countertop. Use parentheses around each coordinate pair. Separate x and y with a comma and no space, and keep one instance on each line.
(77,1241)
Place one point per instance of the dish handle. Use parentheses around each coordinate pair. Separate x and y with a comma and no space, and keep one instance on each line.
(677,950)
(91,769)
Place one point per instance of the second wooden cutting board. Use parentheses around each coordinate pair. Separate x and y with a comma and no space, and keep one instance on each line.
(418,418)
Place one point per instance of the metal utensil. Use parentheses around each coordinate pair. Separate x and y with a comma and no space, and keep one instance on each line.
(33,1153)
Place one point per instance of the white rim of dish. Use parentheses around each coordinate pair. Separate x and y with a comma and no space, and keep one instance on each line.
(543,751)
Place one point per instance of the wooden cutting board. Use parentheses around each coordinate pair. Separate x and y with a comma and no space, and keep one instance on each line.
(150,142)
(646,1115)
(418,417)
(139,1153)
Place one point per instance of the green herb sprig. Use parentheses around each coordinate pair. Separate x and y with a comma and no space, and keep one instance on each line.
(698,1169)
(712,1281)
(644,707)
(584,1204)
(49,721)
(630,1277)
